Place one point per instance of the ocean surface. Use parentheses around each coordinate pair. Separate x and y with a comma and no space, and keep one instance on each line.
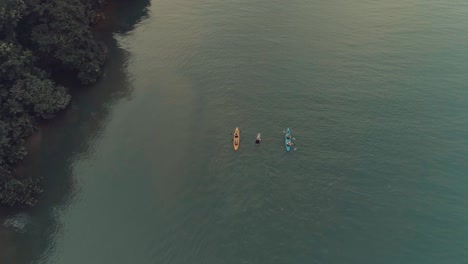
(141,169)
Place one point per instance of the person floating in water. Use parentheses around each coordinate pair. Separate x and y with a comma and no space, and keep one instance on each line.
(258,139)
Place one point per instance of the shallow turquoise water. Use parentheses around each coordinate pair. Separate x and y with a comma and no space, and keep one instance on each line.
(141,168)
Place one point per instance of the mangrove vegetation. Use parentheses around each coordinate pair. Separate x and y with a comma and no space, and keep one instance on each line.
(40,39)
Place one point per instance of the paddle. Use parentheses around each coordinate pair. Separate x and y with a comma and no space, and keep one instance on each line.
(293,144)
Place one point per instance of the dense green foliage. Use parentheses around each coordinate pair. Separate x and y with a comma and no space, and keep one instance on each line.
(36,38)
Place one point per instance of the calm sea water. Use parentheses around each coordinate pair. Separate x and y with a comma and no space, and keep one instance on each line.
(141,168)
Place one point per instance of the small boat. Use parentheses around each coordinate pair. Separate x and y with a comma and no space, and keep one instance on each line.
(258,139)
(236,139)
(287,139)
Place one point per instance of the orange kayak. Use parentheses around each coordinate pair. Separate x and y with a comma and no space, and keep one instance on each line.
(236,139)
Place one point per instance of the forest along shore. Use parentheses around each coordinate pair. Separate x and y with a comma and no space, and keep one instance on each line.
(36,39)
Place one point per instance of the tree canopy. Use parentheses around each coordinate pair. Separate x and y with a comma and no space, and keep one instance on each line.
(36,37)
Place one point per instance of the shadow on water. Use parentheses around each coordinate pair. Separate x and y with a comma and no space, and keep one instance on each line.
(29,236)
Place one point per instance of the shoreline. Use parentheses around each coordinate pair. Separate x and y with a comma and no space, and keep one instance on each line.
(16,190)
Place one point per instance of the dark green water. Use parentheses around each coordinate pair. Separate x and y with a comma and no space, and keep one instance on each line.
(141,168)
